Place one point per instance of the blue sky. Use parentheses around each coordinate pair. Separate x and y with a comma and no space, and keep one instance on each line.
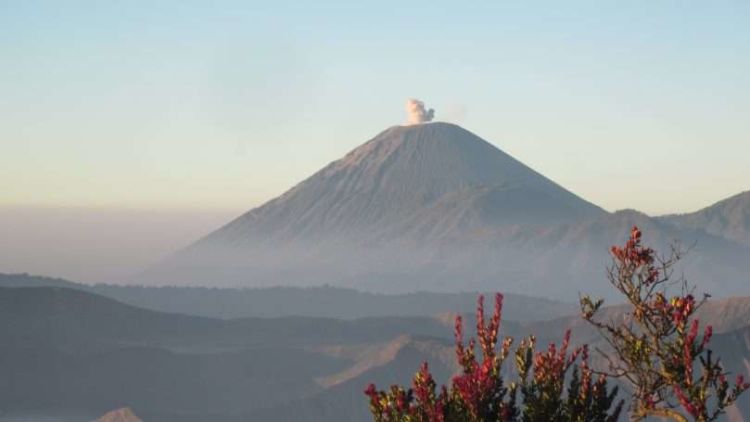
(223,105)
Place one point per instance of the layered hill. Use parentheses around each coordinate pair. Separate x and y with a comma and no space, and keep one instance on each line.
(434,207)
(68,353)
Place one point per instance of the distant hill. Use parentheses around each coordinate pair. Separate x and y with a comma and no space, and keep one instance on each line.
(26,280)
(729,218)
(325,301)
(75,320)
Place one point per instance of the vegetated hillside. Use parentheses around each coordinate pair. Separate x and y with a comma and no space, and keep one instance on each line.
(433,207)
(728,218)
(324,301)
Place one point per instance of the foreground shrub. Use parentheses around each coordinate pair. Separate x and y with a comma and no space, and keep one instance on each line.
(479,392)
(655,351)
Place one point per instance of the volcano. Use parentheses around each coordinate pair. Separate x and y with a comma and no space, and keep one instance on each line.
(419,181)
(421,207)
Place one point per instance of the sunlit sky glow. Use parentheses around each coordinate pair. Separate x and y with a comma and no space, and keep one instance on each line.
(223,105)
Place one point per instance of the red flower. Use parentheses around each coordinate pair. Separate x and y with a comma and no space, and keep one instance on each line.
(706,336)
(685,402)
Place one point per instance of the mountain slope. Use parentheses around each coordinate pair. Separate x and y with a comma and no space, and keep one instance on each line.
(729,218)
(407,173)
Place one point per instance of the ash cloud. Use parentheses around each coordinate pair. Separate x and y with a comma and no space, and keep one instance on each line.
(417,113)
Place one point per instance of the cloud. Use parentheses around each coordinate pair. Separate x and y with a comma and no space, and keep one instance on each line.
(417,113)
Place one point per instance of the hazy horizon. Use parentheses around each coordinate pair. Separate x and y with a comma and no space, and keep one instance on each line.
(96,245)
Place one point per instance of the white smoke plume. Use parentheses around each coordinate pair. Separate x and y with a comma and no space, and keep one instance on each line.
(417,113)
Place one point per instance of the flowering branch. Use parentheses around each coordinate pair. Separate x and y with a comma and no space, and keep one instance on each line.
(658,349)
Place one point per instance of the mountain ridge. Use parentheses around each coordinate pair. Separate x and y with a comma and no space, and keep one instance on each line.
(321,301)
(728,218)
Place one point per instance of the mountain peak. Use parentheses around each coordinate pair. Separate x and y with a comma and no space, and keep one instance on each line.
(419,137)
(432,152)
(406,175)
